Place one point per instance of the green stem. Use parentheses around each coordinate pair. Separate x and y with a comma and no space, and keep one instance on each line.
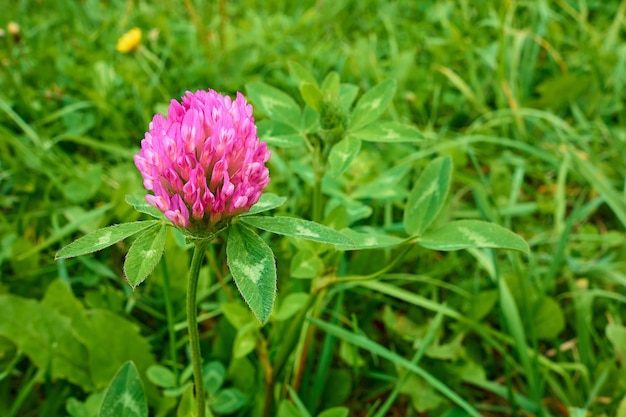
(169,312)
(202,34)
(317,201)
(322,284)
(318,170)
(192,322)
(223,20)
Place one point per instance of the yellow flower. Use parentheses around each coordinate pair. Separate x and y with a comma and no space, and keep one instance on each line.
(129,41)
(14,29)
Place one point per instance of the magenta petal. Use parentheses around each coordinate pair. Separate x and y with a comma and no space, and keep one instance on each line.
(205,159)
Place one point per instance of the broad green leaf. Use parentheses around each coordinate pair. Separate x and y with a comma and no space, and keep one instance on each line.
(213,374)
(23,265)
(372,104)
(388,132)
(87,408)
(577,412)
(464,234)
(252,266)
(424,398)
(385,186)
(290,226)
(239,372)
(97,329)
(350,355)
(245,341)
(342,155)
(621,409)
(405,327)
(451,350)
(142,206)
(287,409)
(267,202)
(79,189)
(144,254)
(371,239)
(355,209)
(125,396)
(46,337)
(290,305)
(237,314)
(347,94)
(227,401)
(481,304)
(616,334)
(187,404)
(305,264)
(59,297)
(427,196)
(312,95)
(338,387)
(548,318)
(180,389)
(300,73)
(274,103)
(161,376)
(279,134)
(330,85)
(103,238)
(335,412)
(310,120)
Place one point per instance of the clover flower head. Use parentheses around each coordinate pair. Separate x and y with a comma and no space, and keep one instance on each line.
(204,162)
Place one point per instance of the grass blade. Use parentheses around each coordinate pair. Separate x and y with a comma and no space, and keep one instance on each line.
(368,344)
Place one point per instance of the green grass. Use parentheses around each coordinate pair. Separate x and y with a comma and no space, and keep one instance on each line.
(526,97)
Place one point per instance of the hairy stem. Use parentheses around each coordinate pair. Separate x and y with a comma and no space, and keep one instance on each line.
(318,170)
(192,322)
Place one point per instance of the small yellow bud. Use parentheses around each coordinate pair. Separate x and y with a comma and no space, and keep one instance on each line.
(129,41)
(14,30)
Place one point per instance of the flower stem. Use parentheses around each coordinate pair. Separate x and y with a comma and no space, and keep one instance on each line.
(192,322)
(318,170)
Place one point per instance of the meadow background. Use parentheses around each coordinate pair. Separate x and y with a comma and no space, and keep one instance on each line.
(527,97)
